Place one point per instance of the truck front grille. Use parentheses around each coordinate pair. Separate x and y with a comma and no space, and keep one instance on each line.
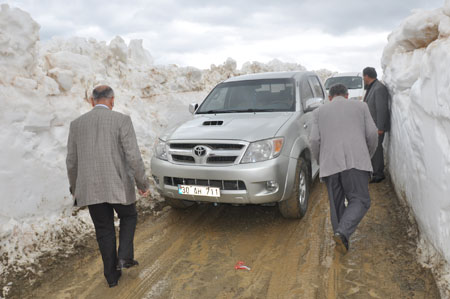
(207,153)
(222,184)
(184,159)
(221,160)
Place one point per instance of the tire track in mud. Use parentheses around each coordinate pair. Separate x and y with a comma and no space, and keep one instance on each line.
(192,253)
(177,239)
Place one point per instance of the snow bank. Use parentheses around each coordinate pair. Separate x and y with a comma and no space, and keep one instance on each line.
(415,64)
(18,37)
(44,86)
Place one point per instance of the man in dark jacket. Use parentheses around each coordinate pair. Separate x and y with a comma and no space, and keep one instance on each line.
(377,98)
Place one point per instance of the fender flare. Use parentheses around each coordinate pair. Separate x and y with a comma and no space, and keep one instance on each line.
(299,149)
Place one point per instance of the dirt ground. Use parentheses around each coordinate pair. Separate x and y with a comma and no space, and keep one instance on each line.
(192,254)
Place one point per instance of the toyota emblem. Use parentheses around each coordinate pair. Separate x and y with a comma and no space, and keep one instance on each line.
(199,151)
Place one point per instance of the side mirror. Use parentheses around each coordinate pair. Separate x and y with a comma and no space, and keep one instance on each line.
(193,107)
(313,103)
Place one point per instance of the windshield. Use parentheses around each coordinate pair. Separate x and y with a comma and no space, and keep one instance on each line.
(351,82)
(250,96)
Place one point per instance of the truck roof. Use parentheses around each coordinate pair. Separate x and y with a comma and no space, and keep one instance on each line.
(348,74)
(270,75)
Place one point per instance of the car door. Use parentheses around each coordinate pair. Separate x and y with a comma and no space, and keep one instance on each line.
(311,88)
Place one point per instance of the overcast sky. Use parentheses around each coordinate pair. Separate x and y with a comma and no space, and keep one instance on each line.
(344,35)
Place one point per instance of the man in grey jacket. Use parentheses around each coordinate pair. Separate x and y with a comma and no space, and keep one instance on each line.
(343,139)
(103,164)
(377,98)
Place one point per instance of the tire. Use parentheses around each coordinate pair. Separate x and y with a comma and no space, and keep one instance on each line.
(297,204)
(179,204)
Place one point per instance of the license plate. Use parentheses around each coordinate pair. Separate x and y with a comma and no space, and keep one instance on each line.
(199,190)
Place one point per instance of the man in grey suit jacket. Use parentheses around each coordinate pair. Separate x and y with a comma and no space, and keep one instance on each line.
(377,98)
(343,139)
(103,164)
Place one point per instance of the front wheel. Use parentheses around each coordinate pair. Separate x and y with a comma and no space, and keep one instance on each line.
(297,204)
(178,203)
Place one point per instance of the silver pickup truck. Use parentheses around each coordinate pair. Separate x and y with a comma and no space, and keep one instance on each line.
(247,143)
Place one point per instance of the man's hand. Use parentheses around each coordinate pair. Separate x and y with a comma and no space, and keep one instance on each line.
(380,132)
(144,193)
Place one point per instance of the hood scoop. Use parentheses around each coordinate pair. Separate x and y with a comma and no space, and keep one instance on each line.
(213,123)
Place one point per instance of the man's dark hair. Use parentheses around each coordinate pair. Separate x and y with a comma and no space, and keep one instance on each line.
(370,71)
(338,90)
(102,92)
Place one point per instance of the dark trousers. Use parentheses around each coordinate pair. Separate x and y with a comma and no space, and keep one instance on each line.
(378,159)
(103,217)
(352,184)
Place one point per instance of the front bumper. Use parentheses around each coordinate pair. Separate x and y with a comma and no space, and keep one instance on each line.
(253,175)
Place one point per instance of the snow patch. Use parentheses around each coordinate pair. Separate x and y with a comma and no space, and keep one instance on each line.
(415,64)
(18,36)
(430,258)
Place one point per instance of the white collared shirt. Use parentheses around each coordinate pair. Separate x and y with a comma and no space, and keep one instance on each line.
(102,105)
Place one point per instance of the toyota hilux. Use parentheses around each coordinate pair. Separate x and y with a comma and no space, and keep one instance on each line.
(246,143)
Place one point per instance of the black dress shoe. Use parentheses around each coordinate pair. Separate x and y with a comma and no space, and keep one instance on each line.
(122,263)
(116,282)
(341,243)
(376,179)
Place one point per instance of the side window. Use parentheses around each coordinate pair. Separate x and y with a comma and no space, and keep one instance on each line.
(305,92)
(317,89)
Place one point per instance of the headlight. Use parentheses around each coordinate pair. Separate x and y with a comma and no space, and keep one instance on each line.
(159,149)
(263,150)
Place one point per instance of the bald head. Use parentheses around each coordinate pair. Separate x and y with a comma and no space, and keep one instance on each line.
(103,94)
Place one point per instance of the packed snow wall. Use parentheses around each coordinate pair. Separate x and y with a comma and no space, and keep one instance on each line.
(46,85)
(416,64)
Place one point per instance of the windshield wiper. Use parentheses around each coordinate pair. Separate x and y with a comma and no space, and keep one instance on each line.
(216,111)
(242,111)
(262,110)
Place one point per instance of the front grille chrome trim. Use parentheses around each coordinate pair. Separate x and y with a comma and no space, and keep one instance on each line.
(218,152)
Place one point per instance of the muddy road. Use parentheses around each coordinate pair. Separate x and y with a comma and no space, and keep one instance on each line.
(192,254)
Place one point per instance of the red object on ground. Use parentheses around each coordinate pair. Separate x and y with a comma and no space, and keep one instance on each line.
(241,266)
